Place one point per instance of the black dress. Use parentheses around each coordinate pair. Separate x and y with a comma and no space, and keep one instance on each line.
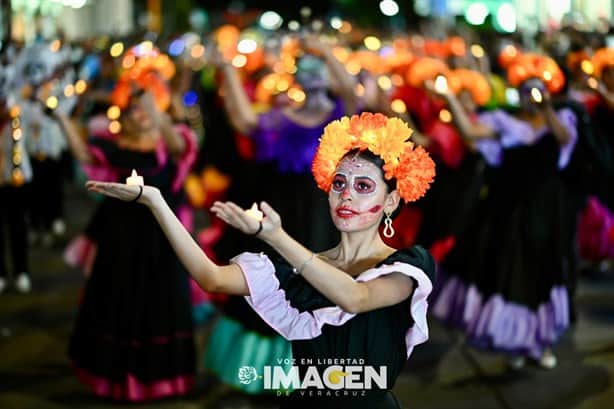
(377,338)
(132,338)
(509,294)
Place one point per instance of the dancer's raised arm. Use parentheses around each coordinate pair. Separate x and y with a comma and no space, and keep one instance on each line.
(211,277)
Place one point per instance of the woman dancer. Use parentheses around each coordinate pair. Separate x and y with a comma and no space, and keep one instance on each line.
(513,297)
(358,300)
(285,142)
(132,339)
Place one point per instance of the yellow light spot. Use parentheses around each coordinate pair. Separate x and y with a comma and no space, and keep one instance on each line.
(398,106)
(55,45)
(445,116)
(587,67)
(239,61)
(128,61)
(397,80)
(536,95)
(15,111)
(80,87)
(269,82)
(341,53)
(18,177)
(17,134)
(384,82)
(372,43)
(15,123)
(477,51)
(115,127)
(69,90)
(197,51)
(52,102)
(360,90)
(113,112)
(116,50)
(16,159)
(296,95)
(547,75)
(353,67)
(593,83)
(146,47)
(282,85)
(345,28)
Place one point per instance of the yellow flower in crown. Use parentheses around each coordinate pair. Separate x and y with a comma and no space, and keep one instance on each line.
(387,138)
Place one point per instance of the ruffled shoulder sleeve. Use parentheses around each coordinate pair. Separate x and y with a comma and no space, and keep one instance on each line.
(510,132)
(273,292)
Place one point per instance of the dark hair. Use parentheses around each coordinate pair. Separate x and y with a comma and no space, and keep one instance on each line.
(379,162)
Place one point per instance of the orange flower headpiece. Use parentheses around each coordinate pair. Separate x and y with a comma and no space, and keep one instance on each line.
(603,58)
(530,65)
(388,138)
(145,69)
(472,81)
(425,69)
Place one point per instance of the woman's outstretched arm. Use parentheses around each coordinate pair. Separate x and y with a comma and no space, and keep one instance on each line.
(469,130)
(334,283)
(209,276)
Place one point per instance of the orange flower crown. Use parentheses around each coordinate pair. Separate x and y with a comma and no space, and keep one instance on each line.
(530,65)
(388,138)
(472,81)
(604,57)
(144,69)
(424,69)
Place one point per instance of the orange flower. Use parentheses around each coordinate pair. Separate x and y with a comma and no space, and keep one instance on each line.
(472,81)
(386,137)
(602,58)
(425,69)
(530,65)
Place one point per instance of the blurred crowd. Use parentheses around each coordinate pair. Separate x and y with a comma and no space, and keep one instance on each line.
(522,204)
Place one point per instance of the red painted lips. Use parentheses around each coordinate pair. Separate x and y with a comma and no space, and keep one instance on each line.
(345,212)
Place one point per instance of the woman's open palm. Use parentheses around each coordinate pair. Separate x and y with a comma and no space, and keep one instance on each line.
(121,191)
(237,217)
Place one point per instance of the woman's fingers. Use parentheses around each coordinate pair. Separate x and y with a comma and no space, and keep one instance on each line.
(270,213)
(235,216)
(115,190)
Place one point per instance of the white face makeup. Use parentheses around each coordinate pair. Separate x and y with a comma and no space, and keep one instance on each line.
(357,195)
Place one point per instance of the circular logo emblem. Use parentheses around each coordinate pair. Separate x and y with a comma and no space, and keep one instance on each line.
(247,375)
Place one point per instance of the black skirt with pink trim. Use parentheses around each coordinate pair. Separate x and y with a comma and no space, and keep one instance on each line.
(132,338)
(504,284)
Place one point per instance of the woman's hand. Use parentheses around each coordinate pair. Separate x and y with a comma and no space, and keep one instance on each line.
(237,217)
(124,192)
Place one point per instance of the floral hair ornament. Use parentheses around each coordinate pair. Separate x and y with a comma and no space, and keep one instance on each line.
(473,81)
(425,69)
(527,66)
(603,58)
(388,138)
(145,68)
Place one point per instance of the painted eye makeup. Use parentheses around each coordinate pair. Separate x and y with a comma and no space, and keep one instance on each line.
(364,185)
(339,182)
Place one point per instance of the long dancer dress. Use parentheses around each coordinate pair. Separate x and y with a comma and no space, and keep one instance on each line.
(510,294)
(132,339)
